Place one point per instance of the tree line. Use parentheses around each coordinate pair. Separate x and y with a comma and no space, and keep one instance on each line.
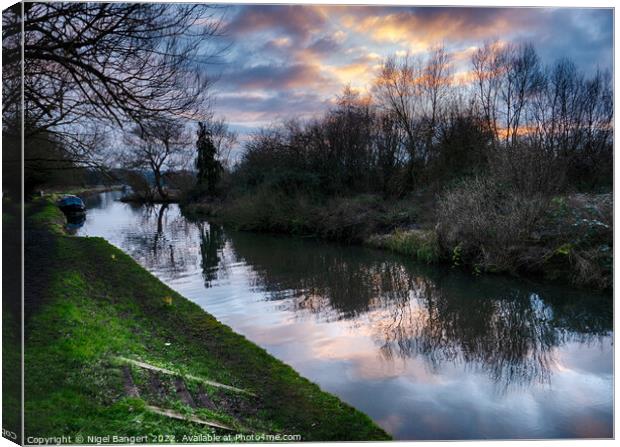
(99,75)
(547,127)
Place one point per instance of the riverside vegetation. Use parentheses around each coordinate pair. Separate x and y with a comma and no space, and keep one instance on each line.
(111,349)
(512,173)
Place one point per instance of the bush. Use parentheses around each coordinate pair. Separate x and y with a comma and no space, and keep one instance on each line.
(181,181)
(350,219)
(345,219)
(270,211)
(489,221)
(141,188)
(580,226)
(486,224)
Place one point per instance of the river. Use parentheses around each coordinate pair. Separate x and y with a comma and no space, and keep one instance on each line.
(429,353)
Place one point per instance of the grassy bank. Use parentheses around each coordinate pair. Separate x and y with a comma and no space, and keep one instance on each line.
(81,190)
(97,314)
(476,226)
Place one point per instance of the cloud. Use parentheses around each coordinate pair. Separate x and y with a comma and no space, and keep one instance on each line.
(271,76)
(290,60)
(358,74)
(252,109)
(327,45)
(295,21)
(427,26)
(584,35)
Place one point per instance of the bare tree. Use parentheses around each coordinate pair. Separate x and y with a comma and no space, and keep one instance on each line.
(598,112)
(157,146)
(436,83)
(488,63)
(522,78)
(415,91)
(223,139)
(112,62)
(398,89)
(347,130)
(388,151)
(571,119)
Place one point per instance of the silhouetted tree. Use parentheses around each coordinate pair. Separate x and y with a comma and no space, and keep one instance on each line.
(208,166)
(157,146)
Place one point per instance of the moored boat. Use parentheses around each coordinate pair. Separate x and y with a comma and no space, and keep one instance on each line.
(71,204)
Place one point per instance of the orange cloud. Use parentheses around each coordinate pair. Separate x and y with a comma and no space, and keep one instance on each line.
(357,74)
(420,29)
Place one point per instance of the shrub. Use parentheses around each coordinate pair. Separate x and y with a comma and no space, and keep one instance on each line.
(489,221)
(495,227)
(345,219)
(270,211)
(581,227)
(141,188)
(350,219)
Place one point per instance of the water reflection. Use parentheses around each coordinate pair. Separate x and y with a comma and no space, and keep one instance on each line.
(75,221)
(497,326)
(211,244)
(154,240)
(429,353)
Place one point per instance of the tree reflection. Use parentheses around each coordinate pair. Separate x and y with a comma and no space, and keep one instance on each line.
(509,336)
(506,329)
(159,240)
(496,325)
(326,279)
(502,329)
(211,243)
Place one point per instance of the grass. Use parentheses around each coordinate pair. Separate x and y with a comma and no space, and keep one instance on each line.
(98,304)
(11,321)
(11,359)
(48,218)
(419,244)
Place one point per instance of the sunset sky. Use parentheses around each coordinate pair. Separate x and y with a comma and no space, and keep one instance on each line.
(289,61)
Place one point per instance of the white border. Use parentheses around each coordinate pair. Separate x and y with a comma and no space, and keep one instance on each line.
(473,3)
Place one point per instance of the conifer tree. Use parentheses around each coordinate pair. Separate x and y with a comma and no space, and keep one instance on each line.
(208,166)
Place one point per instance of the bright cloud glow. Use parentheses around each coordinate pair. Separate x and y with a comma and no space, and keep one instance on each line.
(291,60)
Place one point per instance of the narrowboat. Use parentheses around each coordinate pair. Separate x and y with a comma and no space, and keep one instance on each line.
(71,204)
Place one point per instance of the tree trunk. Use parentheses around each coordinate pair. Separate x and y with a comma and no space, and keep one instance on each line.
(158,184)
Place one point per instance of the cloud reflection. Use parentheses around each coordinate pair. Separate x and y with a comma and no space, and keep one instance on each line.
(429,353)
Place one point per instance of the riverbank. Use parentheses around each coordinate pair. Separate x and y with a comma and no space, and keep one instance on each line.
(83,191)
(112,350)
(566,238)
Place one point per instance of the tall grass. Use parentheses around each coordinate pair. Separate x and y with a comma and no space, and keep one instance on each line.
(419,244)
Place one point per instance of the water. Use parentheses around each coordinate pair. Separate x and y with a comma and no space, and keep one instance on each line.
(428,353)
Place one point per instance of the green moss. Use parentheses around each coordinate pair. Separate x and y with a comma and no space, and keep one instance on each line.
(457,255)
(99,304)
(564,249)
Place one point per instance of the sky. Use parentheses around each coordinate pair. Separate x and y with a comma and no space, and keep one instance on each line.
(287,61)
